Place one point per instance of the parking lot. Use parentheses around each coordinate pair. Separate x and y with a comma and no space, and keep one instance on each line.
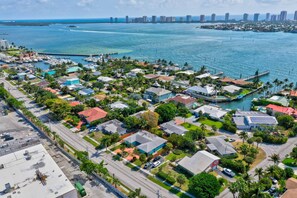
(15,133)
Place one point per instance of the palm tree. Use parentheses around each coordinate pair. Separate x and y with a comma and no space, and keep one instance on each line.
(233,187)
(244,136)
(116,182)
(244,150)
(275,158)
(270,170)
(259,172)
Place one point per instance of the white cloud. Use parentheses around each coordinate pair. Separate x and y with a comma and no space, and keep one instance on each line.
(84,2)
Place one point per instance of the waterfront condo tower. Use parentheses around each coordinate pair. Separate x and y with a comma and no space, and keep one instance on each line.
(283,16)
(154,19)
(162,19)
(227,15)
(295,16)
(202,18)
(213,17)
(245,17)
(127,19)
(189,18)
(111,20)
(256,17)
(267,17)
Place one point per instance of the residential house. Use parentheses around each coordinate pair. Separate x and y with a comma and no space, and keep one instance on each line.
(293,94)
(181,83)
(157,94)
(112,126)
(197,91)
(202,161)
(165,78)
(118,105)
(71,81)
(97,73)
(50,73)
(151,76)
(172,127)
(92,114)
(73,70)
(134,72)
(213,112)
(280,100)
(105,79)
(185,100)
(273,109)
(232,89)
(21,76)
(146,142)
(86,92)
(218,145)
(74,103)
(291,186)
(247,120)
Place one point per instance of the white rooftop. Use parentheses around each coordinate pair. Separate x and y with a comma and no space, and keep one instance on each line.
(20,173)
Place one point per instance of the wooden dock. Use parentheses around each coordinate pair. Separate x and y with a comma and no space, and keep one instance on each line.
(256,76)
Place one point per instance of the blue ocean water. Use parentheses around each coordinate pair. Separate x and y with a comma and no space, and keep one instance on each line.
(234,53)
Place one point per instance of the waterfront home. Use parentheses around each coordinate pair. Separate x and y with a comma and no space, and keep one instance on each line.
(185,100)
(280,100)
(187,72)
(73,70)
(213,112)
(198,91)
(105,79)
(293,94)
(86,92)
(273,109)
(112,126)
(92,114)
(218,145)
(163,78)
(247,120)
(172,127)
(118,105)
(232,89)
(134,72)
(202,161)
(50,73)
(146,142)
(239,82)
(156,95)
(181,83)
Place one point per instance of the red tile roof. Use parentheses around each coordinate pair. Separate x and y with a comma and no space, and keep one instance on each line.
(293,93)
(74,103)
(93,114)
(284,110)
(50,90)
(183,99)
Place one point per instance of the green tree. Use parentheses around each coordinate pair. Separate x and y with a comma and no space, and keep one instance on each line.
(233,187)
(151,118)
(275,158)
(142,158)
(286,121)
(259,172)
(204,185)
(181,179)
(244,136)
(87,166)
(166,111)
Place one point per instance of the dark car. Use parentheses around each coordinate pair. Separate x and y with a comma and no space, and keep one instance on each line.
(8,138)
(156,158)
(148,165)
(228,172)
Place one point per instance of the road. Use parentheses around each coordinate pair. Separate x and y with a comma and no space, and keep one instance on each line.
(131,179)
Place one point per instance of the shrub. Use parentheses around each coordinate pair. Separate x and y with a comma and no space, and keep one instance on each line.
(177,152)
(266,183)
(235,165)
(166,177)
(289,172)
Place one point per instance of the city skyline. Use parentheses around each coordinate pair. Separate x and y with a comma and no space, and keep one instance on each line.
(44,9)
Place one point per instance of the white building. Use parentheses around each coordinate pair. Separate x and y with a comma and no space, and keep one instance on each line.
(33,173)
(4,44)
(212,112)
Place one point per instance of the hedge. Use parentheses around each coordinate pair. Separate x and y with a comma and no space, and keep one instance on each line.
(234,165)
(166,177)
(273,139)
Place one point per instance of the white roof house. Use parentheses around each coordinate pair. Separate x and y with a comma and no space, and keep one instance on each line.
(205,91)
(33,173)
(118,105)
(231,89)
(200,162)
(220,146)
(211,111)
(105,79)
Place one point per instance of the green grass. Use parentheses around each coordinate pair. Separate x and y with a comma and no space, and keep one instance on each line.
(211,123)
(177,157)
(290,162)
(88,139)
(137,162)
(169,188)
(190,127)
(189,115)
(67,125)
(244,92)
(133,168)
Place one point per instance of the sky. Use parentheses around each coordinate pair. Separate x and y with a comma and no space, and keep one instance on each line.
(62,9)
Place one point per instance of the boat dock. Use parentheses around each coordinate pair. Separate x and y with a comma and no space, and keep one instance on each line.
(66,54)
(256,76)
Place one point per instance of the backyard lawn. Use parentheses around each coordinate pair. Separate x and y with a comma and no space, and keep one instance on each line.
(192,127)
(211,123)
(171,156)
(290,162)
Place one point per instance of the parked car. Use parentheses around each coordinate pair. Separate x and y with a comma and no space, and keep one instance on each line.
(148,165)
(231,140)
(228,172)
(156,158)
(8,138)
(272,190)
(156,164)
(274,181)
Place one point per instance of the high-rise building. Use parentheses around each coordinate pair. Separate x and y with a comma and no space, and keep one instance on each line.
(162,19)
(283,16)
(170,19)
(181,19)
(256,17)
(127,19)
(295,16)
(267,16)
(227,15)
(213,17)
(273,18)
(189,18)
(144,19)
(4,44)
(116,20)
(154,19)
(245,17)
(202,18)
(111,20)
